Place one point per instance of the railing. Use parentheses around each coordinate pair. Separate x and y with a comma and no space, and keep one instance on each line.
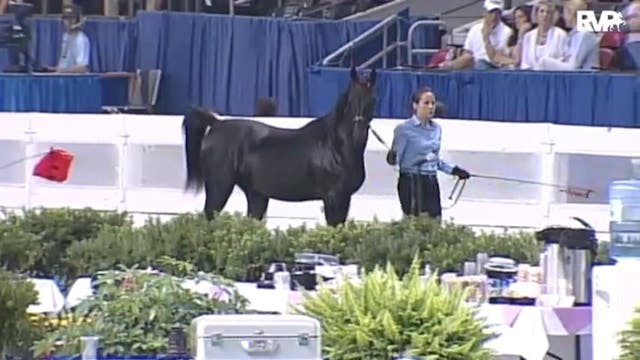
(382,26)
(410,50)
(136,163)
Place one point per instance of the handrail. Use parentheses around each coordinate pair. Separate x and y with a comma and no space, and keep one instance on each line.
(410,49)
(382,53)
(382,25)
(460,7)
(376,12)
(323,7)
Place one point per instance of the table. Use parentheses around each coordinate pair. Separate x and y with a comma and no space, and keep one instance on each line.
(62,93)
(523,331)
(536,324)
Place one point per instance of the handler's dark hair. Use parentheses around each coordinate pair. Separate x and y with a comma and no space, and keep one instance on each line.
(441,110)
(415,98)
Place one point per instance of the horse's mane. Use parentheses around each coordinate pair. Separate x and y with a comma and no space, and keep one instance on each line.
(330,120)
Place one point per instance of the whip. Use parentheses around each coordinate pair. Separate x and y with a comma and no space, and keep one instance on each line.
(458,187)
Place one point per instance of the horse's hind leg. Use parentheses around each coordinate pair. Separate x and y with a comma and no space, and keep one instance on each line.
(256,204)
(217,194)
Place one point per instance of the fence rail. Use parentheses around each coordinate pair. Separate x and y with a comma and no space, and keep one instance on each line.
(136,163)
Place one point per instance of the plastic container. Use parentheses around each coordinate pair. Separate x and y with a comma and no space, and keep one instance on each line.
(624,222)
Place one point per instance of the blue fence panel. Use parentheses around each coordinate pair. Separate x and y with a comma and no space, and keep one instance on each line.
(227,63)
(572,98)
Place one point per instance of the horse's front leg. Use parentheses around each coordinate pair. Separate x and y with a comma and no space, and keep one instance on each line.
(336,209)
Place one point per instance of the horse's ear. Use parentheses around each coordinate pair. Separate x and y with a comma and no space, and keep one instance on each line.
(354,74)
(372,77)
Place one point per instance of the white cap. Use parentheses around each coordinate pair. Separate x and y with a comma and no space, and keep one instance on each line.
(491,5)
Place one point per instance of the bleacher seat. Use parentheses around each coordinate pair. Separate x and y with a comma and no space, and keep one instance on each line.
(438,58)
(607,57)
(612,40)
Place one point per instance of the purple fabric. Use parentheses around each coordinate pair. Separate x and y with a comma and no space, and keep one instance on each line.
(510,314)
(574,319)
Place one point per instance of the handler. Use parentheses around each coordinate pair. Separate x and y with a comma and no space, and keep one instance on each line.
(416,149)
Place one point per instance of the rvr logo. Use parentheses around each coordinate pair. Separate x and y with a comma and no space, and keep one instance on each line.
(609,21)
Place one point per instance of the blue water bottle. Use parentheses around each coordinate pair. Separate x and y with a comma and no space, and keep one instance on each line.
(624,220)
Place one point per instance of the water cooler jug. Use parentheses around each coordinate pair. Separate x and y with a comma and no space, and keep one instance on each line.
(624,222)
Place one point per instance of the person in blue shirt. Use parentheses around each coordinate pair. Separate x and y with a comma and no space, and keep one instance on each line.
(416,151)
(74,55)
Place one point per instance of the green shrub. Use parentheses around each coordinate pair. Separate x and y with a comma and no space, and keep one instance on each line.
(70,243)
(384,316)
(16,331)
(134,310)
(46,234)
(629,339)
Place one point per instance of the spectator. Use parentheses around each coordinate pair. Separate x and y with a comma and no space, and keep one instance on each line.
(546,40)
(631,47)
(522,20)
(74,56)
(581,47)
(484,41)
(266,107)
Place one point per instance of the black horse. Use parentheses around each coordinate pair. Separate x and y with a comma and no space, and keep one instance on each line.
(323,160)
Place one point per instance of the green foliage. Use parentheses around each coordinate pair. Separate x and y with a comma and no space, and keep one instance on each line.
(629,339)
(134,310)
(16,294)
(385,315)
(234,246)
(47,233)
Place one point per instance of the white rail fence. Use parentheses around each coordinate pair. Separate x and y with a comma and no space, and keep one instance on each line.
(136,163)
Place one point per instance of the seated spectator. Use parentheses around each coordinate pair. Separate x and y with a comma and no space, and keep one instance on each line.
(545,40)
(74,55)
(266,107)
(511,56)
(484,40)
(581,47)
(631,48)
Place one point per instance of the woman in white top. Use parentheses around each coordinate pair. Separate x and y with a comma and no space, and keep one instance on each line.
(546,40)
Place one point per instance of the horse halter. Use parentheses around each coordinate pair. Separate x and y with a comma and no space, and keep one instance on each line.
(360,107)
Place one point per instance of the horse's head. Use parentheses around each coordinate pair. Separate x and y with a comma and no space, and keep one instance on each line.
(358,106)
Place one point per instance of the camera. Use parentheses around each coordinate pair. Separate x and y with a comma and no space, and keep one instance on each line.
(15,36)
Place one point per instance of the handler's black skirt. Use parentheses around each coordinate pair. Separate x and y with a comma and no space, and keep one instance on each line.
(419,194)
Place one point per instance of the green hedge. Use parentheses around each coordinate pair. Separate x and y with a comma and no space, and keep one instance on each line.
(69,243)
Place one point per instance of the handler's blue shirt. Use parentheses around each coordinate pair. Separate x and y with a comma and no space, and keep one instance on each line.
(417,147)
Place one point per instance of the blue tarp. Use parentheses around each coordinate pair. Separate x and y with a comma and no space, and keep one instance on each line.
(572,98)
(51,93)
(218,61)
(228,63)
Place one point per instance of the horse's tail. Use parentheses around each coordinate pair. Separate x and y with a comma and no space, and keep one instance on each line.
(194,126)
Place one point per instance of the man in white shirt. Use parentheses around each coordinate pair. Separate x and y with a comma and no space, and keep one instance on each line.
(484,40)
(74,55)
